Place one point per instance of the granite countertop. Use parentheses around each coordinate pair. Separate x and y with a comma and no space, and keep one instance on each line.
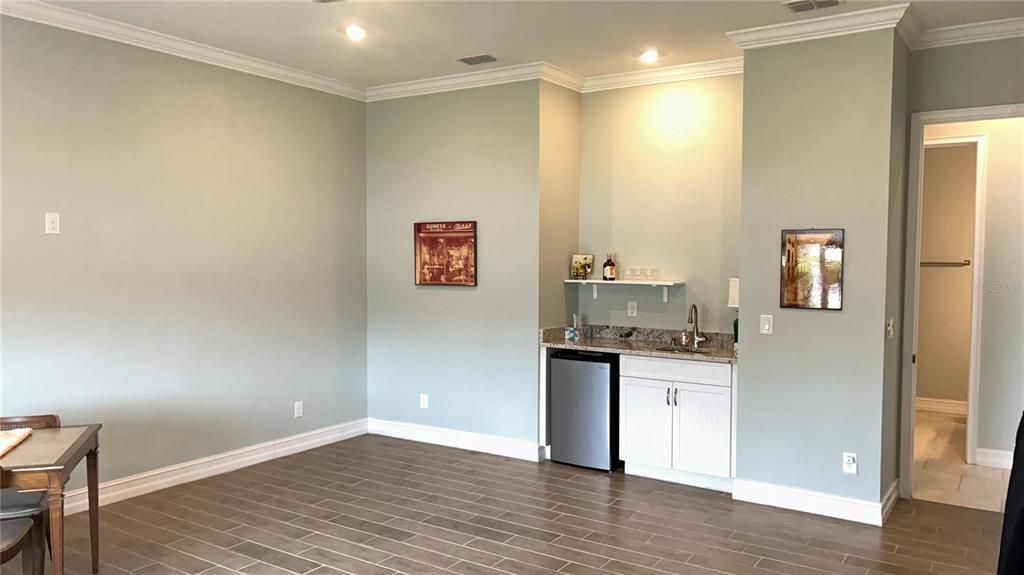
(555,338)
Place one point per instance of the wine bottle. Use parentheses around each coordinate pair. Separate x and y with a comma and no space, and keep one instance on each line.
(609,269)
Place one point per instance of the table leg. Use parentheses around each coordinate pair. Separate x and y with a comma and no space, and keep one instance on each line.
(38,551)
(55,501)
(92,468)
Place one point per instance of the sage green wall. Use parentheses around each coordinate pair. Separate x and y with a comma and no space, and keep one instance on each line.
(211,262)
(968,75)
(945,294)
(660,187)
(559,170)
(1001,386)
(463,155)
(817,139)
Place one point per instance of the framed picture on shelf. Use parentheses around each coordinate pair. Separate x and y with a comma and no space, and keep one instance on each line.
(582,266)
(811,276)
(445,253)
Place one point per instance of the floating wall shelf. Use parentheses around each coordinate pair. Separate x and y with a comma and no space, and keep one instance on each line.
(663,284)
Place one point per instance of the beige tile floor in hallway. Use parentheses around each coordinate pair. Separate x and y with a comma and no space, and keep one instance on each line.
(941,472)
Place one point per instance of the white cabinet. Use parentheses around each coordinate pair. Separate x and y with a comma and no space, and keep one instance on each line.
(702,422)
(676,418)
(645,433)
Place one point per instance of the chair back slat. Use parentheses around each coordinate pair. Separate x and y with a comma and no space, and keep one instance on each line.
(30,421)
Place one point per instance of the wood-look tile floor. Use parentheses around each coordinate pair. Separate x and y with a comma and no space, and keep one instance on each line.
(380,506)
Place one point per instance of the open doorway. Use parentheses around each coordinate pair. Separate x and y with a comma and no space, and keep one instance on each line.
(963,306)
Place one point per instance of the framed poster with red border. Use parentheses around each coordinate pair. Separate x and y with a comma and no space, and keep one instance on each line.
(445,253)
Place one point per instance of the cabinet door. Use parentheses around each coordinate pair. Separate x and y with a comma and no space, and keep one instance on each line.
(703,429)
(645,424)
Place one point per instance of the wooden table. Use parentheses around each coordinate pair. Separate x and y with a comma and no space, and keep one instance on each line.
(43,462)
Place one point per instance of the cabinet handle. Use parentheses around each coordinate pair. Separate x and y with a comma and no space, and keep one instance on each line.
(668,392)
(675,397)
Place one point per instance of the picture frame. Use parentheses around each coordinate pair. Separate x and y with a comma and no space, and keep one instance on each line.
(581,267)
(811,274)
(445,253)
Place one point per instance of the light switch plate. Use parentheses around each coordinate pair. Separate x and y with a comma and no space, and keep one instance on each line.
(767,324)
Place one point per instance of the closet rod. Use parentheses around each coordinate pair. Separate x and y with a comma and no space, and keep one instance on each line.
(959,264)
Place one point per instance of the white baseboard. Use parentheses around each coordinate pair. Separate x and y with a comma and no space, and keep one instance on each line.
(681,477)
(858,510)
(890,499)
(994,458)
(936,405)
(148,481)
(544,452)
(493,444)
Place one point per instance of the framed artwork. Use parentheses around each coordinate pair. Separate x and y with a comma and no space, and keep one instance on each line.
(582,266)
(445,253)
(811,276)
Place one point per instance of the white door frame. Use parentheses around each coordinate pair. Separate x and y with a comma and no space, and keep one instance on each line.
(913,258)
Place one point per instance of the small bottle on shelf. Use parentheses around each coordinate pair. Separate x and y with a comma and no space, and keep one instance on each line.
(608,273)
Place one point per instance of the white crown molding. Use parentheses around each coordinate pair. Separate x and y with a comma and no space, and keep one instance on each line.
(156,479)
(970,33)
(562,77)
(68,19)
(824,27)
(76,21)
(816,28)
(695,71)
(477,79)
(909,28)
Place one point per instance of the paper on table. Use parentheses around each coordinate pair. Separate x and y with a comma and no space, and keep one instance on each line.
(9,439)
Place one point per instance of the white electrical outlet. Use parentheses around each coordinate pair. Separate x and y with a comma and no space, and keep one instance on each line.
(890,328)
(767,324)
(424,401)
(631,308)
(849,463)
(298,409)
(51,223)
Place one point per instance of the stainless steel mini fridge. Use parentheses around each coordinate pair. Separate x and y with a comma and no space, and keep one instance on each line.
(584,409)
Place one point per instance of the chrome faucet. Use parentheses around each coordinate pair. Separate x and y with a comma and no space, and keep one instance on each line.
(693,318)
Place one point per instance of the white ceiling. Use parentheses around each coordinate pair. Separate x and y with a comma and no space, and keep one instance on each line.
(417,40)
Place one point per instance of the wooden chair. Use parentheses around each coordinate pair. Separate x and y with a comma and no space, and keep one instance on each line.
(19,536)
(17,505)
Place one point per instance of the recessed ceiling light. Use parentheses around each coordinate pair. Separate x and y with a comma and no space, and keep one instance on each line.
(649,57)
(355,33)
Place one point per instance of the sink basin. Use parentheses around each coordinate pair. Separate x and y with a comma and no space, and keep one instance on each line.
(678,349)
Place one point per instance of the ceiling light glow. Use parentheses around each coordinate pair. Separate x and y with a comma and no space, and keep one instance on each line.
(355,33)
(649,57)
